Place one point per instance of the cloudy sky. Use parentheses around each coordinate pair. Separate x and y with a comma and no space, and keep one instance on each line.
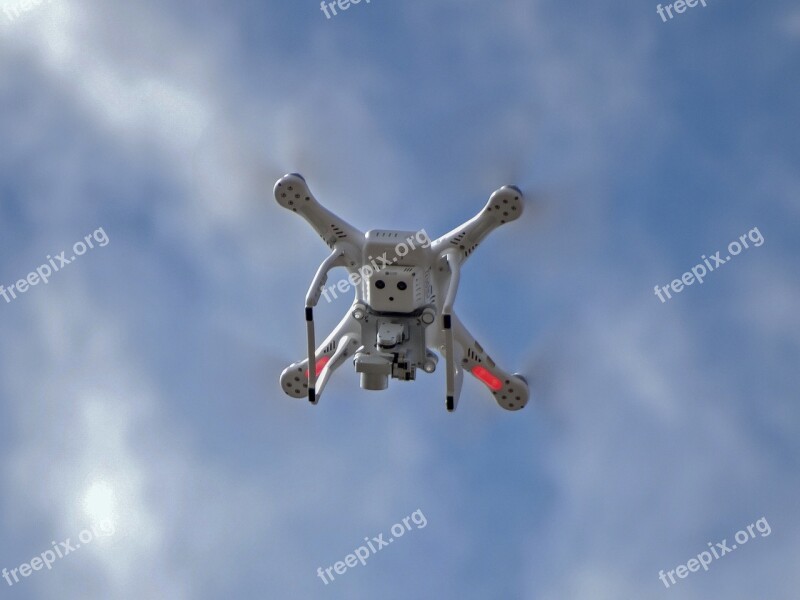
(139,386)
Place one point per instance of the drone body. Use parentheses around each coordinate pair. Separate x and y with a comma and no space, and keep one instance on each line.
(403,307)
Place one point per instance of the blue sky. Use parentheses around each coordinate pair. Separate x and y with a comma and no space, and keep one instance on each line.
(141,383)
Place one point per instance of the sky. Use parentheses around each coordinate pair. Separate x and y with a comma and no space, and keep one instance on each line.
(139,386)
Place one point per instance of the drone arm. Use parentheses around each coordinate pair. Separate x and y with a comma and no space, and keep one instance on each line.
(504,205)
(510,391)
(347,346)
(296,377)
(292,193)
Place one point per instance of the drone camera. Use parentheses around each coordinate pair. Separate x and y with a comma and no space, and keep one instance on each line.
(374,369)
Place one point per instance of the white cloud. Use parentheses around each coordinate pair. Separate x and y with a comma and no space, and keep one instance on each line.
(99,433)
(790,23)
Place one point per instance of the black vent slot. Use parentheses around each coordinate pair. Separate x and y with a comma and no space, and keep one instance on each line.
(457,240)
(471,354)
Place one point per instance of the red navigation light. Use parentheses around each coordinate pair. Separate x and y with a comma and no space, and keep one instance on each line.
(486,377)
(321,362)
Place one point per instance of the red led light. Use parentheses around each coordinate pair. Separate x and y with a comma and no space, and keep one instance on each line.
(486,377)
(321,362)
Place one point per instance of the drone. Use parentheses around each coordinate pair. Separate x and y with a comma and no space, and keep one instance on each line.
(403,307)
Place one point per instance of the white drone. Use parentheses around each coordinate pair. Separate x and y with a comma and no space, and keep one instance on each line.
(402,309)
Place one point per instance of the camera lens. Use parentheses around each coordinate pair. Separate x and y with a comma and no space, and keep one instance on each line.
(380,284)
(401,285)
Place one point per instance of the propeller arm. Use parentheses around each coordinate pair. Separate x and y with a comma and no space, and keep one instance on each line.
(348,344)
(504,205)
(510,390)
(292,193)
(295,378)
